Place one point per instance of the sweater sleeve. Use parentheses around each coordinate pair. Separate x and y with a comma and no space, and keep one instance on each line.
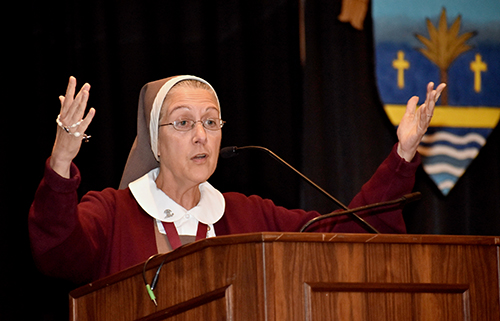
(67,238)
(394,178)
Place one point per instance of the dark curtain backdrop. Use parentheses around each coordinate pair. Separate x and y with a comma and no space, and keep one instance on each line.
(323,117)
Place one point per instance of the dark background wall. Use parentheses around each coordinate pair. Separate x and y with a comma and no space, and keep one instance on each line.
(323,116)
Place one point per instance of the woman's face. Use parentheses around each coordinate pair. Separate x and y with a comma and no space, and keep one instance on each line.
(188,158)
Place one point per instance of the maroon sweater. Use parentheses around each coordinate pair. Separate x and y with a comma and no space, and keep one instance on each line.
(108,231)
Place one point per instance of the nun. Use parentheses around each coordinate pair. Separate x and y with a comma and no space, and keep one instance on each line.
(165,200)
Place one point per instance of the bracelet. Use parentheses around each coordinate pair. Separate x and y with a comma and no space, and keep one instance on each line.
(66,128)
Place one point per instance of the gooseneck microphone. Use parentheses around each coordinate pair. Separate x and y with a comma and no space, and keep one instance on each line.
(231,151)
(401,201)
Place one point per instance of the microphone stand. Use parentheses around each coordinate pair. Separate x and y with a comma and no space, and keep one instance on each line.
(230,151)
(403,201)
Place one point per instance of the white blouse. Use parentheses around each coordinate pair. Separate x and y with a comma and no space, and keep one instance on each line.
(162,208)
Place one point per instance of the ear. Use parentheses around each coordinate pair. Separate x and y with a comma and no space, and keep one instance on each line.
(158,145)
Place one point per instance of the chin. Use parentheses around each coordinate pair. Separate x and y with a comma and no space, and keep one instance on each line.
(202,177)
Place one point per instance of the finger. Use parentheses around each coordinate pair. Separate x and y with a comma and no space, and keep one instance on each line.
(69,96)
(77,109)
(427,108)
(80,103)
(439,90)
(88,119)
(84,125)
(430,88)
(70,90)
(427,111)
(411,106)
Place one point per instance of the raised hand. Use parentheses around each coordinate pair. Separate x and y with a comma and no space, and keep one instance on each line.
(416,121)
(71,127)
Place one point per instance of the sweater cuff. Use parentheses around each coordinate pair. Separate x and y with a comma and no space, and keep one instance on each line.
(60,184)
(400,165)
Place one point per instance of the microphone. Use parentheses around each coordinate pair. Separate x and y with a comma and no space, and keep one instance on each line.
(228,152)
(400,201)
(231,151)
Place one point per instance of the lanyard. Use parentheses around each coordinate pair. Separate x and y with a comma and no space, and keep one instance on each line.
(173,236)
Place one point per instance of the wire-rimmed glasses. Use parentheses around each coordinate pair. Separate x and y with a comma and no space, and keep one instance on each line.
(185,125)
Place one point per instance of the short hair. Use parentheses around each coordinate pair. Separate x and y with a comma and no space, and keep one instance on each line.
(192,83)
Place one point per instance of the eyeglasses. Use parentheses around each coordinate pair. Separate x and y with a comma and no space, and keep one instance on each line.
(185,125)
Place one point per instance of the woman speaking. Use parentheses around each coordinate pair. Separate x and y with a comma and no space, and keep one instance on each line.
(165,199)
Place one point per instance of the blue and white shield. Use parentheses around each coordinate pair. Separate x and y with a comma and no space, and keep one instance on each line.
(457,42)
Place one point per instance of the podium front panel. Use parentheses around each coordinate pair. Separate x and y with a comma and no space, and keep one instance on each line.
(309,276)
(384,281)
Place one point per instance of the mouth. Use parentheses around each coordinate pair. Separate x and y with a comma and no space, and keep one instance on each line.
(199,157)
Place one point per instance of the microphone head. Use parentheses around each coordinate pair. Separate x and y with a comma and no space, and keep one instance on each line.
(228,152)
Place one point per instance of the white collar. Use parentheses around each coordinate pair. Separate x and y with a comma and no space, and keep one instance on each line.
(161,207)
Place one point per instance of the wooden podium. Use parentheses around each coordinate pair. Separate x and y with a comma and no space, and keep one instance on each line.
(308,276)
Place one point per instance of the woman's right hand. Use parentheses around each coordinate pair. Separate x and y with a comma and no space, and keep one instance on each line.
(67,144)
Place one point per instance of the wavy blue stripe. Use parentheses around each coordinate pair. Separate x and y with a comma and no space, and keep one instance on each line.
(458,147)
(438,178)
(461,131)
(460,163)
(445,191)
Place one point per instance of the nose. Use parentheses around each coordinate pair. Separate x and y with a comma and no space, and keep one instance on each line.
(200,133)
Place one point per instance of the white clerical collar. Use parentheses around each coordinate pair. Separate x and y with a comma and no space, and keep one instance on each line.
(161,207)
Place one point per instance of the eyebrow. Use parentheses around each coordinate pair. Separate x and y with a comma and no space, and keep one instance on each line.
(189,108)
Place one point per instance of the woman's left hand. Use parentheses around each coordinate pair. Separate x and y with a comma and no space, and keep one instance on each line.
(416,121)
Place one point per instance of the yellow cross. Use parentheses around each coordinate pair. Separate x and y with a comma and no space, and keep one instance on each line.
(401,64)
(477,66)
